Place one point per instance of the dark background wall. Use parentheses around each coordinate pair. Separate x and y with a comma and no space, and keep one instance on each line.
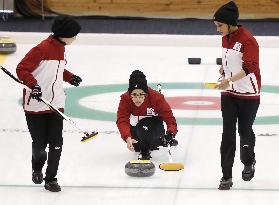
(141,16)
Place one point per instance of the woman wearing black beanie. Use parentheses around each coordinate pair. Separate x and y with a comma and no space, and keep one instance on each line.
(240,97)
(140,116)
(43,70)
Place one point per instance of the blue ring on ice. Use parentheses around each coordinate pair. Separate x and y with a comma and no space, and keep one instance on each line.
(74,109)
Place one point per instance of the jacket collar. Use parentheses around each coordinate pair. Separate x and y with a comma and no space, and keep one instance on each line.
(56,41)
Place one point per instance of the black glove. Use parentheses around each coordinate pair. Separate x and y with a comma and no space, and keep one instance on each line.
(36,92)
(75,80)
(169,138)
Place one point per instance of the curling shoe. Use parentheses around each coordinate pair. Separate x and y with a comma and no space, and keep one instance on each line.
(52,186)
(225,184)
(37,177)
(248,172)
(144,155)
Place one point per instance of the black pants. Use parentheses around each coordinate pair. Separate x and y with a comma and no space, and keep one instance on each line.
(149,133)
(244,112)
(46,129)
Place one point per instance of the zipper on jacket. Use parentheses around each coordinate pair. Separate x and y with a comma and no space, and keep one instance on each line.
(52,87)
(226,63)
(28,101)
(226,59)
(232,84)
(29,98)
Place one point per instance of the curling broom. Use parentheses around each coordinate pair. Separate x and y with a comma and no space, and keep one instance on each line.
(211,85)
(85,138)
(169,166)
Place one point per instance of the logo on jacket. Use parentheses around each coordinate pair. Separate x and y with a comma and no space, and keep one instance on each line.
(150,111)
(237,46)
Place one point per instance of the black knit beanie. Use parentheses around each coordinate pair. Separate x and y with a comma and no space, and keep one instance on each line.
(137,81)
(227,14)
(65,27)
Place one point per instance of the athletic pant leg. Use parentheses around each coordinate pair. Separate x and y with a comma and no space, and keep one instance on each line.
(158,133)
(55,140)
(38,130)
(143,134)
(148,132)
(247,114)
(134,136)
(228,144)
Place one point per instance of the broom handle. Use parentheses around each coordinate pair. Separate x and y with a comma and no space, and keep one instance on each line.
(169,152)
(61,114)
(45,101)
(159,88)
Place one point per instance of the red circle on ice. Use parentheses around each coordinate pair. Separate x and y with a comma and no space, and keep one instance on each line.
(194,103)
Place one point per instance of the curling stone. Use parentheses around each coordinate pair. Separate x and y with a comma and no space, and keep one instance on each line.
(7,45)
(140,168)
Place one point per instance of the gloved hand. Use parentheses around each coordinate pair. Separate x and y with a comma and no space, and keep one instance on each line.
(75,80)
(169,138)
(36,92)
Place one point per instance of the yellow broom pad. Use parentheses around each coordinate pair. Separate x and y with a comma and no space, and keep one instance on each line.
(89,137)
(171,166)
(210,84)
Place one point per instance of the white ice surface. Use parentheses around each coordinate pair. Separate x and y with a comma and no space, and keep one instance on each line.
(93,172)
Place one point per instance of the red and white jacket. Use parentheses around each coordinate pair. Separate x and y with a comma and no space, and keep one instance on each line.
(44,65)
(241,51)
(154,105)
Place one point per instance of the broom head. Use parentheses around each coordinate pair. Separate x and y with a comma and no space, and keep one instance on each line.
(211,84)
(89,136)
(171,166)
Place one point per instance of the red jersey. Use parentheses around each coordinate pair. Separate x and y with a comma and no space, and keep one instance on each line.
(241,51)
(154,105)
(44,65)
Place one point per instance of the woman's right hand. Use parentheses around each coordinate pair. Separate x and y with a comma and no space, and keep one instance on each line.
(130,143)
